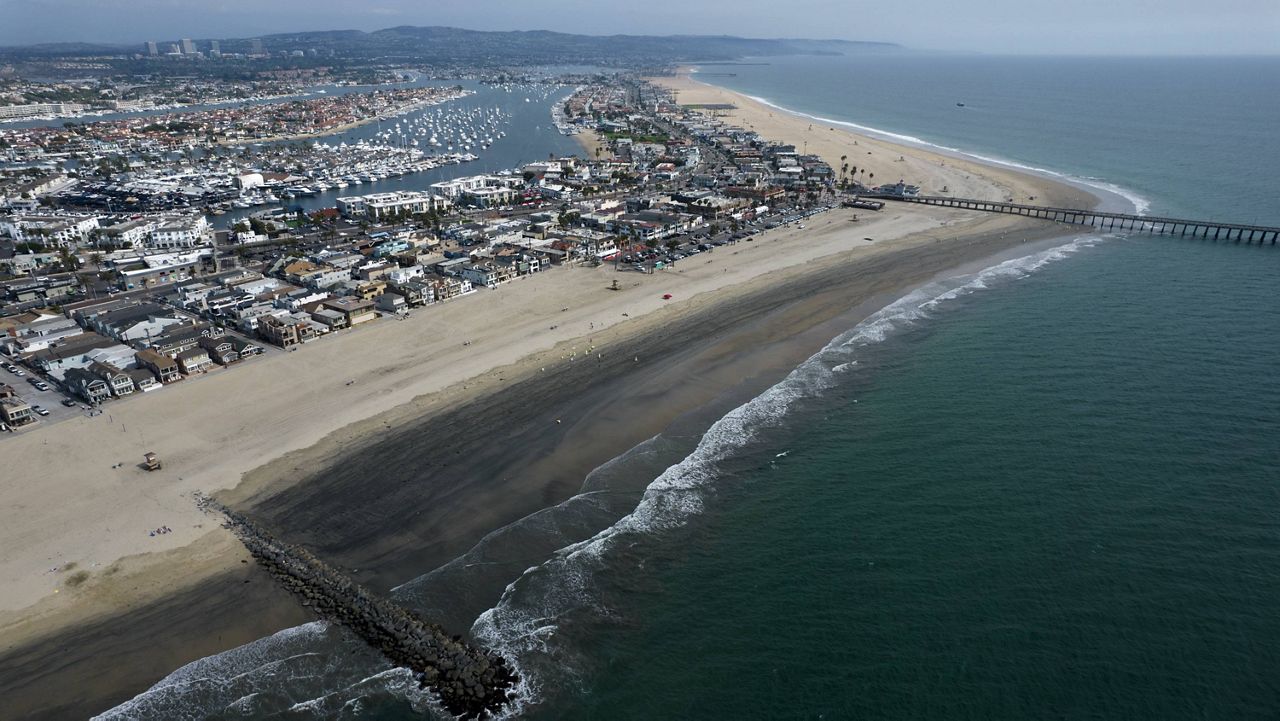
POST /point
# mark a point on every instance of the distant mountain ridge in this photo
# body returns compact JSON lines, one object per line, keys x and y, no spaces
{"x":458,"y":46}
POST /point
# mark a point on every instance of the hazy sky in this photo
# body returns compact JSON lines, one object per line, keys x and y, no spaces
{"x":1018,"y":26}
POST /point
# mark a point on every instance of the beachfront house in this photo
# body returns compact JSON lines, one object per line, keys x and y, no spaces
{"x":244,"y":348}
{"x":164,"y":367}
{"x":286,"y":331}
{"x":143,"y":379}
{"x":392,"y":303}
{"x":119,"y":382}
{"x":221,"y":350}
{"x":447,"y":288}
{"x":15,"y":412}
{"x":415,"y":291}
{"x":176,"y":339}
{"x":194,"y":360}
{"x":356,"y":310}
{"x":86,"y":385}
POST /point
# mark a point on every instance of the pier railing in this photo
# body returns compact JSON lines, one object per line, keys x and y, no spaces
{"x":1102,"y":220}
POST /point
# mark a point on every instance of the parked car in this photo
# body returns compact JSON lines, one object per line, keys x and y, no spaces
{"x":69,"y":402}
{"x":40,"y":410}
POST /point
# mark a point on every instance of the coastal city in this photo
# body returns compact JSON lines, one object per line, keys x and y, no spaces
{"x":542,"y":360}
{"x":120,"y":280}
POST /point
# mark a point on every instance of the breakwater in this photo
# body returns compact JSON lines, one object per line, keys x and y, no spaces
{"x":470,"y":682}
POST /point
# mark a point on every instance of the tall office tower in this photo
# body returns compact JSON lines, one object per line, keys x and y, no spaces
{"x":188,"y":47}
{"x":152,"y":50}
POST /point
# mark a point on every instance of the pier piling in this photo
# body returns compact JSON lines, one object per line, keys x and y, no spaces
{"x":1099,"y":219}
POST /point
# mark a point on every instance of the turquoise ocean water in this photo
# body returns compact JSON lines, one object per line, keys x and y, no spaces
{"x":1047,"y":489}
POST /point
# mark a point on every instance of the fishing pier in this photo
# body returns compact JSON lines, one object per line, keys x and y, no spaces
{"x":1104,"y":221}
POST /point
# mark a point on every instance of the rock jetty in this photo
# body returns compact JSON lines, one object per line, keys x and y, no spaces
{"x":471,"y":683}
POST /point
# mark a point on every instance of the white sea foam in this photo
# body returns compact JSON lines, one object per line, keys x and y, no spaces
{"x":238,"y":679}
{"x":524,"y":623}
{"x":1140,"y":204}
{"x":296,"y":669}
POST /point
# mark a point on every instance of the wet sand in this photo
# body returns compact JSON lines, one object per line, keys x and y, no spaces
{"x":390,"y":489}
{"x":413,"y":488}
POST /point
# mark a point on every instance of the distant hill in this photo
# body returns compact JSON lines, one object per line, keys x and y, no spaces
{"x":545,"y":46}
{"x":456,"y":46}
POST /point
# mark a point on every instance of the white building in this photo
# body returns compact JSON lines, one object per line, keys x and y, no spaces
{"x":404,"y":275}
{"x":55,"y":230}
{"x":38,"y":110}
{"x":248,"y":181}
{"x":483,"y":189}
{"x":382,"y":205}
{"x":129,"y":233}
{"x":180,"y":232}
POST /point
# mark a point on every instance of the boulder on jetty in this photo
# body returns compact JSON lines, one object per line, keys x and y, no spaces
{"x":470,"y":682}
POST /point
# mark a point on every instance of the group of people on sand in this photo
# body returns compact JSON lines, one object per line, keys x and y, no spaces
{"x":161,"y":531}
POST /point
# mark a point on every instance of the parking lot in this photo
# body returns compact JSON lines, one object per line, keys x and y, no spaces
{"x":50,"y":400}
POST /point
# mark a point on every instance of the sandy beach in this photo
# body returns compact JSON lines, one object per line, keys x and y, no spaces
{"x":77,"y":561}
{"x":877,"y":161}
{"x":592,"y":144}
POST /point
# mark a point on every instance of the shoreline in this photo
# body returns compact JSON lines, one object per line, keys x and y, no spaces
{"x":1135,"y":203}
{"x":388,"y":530}
{"x":337,"y":422}
{"x":879,"y":159}
{"x":344,"y":127}
{"x":591,"y":142}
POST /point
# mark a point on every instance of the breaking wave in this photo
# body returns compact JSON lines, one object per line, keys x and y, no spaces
{"x":529,"y":623}
{"x":321,"y":671}
{"x":1141,"y":205}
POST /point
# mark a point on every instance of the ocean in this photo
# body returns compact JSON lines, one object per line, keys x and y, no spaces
{"x":1044,"y":489}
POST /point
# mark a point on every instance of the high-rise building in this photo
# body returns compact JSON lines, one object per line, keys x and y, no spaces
{"x":152,"y":50}
{"x":215,"y":47}
{"x":256,"y":44}
{"x":188,"y":47}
